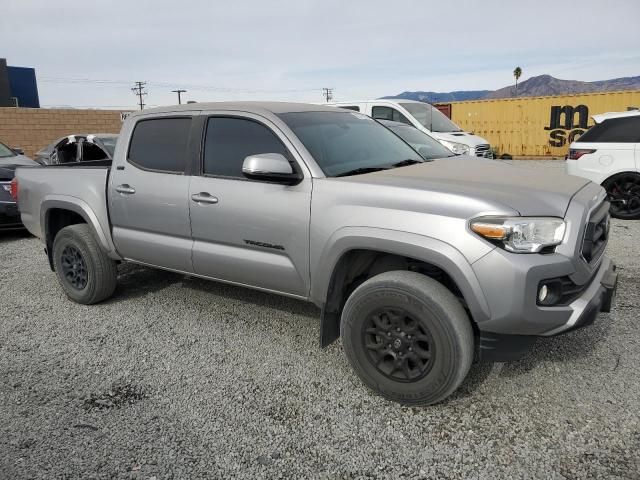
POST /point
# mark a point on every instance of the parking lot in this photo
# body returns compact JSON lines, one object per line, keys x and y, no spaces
{"x":176,"y":377}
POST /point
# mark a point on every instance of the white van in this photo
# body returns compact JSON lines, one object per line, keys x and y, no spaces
{"x":426,"y":118}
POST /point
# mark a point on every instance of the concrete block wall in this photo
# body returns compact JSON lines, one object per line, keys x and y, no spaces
{"x":34,"y":128}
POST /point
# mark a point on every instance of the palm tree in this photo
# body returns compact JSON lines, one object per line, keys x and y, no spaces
{"x":517,"y":73}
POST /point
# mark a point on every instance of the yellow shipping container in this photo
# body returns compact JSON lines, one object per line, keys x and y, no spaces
{"x":538,"y":126}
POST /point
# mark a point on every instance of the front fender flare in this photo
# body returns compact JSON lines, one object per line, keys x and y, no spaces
{"x":419,"y":247}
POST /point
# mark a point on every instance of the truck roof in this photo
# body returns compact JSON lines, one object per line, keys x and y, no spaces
{"x":601,"y":117}
{"x":393,"y":100}
{"x":246,"y":106}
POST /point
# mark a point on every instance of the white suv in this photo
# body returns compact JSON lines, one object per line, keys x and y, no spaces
{"x":609,"y":154}
{"x":426,"y":118}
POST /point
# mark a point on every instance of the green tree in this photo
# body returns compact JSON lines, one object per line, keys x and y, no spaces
{"x":517,"y":73}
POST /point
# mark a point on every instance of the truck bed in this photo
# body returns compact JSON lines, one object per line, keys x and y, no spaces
{"x":81,"y":185}
{"x":93,"y":163}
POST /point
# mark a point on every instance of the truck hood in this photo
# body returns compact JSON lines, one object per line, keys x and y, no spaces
{"x":460,"y":137}
{"x":530,"y":192}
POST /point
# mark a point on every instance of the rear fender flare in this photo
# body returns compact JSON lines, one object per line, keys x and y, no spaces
{"x":80,"y":207}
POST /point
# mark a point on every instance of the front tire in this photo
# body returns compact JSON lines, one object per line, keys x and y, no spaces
{"x":407,"y":337}
{"x":87,"y":275}
{"x":623,"y":191}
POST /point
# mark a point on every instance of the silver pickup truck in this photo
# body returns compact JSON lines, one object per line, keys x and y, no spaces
{"x":419,"y":266}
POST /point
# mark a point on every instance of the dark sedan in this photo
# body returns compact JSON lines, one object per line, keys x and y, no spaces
{"x":10,"y":158}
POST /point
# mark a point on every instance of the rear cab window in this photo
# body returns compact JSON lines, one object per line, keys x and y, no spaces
{"x":160,"y":144}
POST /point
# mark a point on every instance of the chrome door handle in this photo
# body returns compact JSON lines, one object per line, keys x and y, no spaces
{"x":204,"y":197}
{"x":124,"y":188}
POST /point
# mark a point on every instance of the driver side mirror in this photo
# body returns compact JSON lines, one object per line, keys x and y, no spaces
{"x":270,"y":167}
{"x":18,"y":151}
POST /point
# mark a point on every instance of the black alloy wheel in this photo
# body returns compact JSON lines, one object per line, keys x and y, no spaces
{"x":74,"y":268}
{"x":623,"y":192}
{"x":407,"y":337}
{"x":85,"y":272}
{"x":398,"y":345}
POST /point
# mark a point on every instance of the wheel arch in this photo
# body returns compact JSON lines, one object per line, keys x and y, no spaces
{"x":57,"y":213}
{"x":364,"y":251}
{"x":610,"y":175}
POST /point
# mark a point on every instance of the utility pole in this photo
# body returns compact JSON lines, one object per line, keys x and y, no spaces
{"x":179,"y":91}
{"x":327,"y":93}
{"x":138,"y":90}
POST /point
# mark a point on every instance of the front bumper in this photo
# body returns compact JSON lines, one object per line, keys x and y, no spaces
{"x":598,"y":297}
{"x":508,"y":337}
{"x":483,"y":151}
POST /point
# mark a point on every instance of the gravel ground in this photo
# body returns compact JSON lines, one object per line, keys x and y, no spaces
{"x":176,"y":377}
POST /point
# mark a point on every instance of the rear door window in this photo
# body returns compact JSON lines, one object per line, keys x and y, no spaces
{"x":229,"y":140}
{"x":388,"y":113}
{"x":160,"y":144}
{"x":621,"y":130}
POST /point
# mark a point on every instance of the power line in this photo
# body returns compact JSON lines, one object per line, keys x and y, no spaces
{"x":164,"y":84}
{"x":327,"y":93}
{"x":179,"y":91}
{"x":139,"y":91}
{"x":60,"y":105}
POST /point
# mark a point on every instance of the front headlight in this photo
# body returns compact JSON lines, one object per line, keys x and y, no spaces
{"x":457,"y":148}
{"x":521,"y":234}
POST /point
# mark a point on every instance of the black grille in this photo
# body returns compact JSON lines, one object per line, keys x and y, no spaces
{"x":596,"y":233}
{"x":482,"y":150}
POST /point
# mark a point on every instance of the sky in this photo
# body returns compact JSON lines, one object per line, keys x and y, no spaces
{"x":89,"y":54}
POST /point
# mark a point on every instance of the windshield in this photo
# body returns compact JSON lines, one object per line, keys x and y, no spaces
{"x":431,"y":117}
{"x":109,"y":144}
{"x":429,"y":148}
{"x":6,"y":151}
{"x":342,"y":142}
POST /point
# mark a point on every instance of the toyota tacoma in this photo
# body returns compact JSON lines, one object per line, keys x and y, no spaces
{"x":419,"y":266}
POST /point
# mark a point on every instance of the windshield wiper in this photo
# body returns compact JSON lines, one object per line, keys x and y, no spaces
{"x":360,"y":171}
{"x":404,"y":163}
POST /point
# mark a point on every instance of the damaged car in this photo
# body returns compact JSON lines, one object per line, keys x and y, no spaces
{"x":78,"y":148}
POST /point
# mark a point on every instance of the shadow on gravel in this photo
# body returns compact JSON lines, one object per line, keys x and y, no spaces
{"x":138,"y":281}
{"x":477,"y":375}
{"x":577,"y":344}
{"x":256,"y":297}
{"x":14,"y":235}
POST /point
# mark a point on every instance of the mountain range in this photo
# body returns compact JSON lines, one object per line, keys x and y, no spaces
{"x":539,"y":86}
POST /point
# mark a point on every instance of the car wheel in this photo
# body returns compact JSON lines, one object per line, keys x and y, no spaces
{"x":623,"y":191}
{"x":84,"y":271}
{"x":407,"y":337}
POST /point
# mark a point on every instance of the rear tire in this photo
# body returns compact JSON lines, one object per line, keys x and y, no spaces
{"x":623,"y":191}
{"x":87,"y":275}
{"x":407,"y":337}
